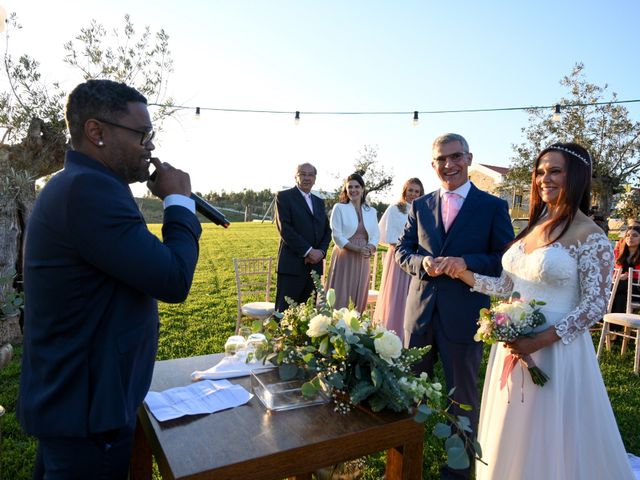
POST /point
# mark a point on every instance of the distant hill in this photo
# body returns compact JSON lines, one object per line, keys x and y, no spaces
{"x":151,"y":209}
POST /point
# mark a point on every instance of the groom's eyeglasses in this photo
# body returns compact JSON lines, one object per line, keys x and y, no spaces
{"x":146,"y":135}
{"x":453,"y":157}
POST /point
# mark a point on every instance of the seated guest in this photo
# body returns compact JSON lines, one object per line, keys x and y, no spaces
{"x":632,"y":222}
{"x":628,"y":257}
{"x":394,"y":283}
{"x":354,"y":229}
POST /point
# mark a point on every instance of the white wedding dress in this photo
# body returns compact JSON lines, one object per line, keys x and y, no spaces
{"x":565,"y":429}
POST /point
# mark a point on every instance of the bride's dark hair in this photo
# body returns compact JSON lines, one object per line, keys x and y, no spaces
{"x":575,"y":195}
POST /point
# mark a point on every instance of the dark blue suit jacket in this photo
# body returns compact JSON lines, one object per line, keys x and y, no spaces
{"x":479,"y":234}
{"x":92,"y":273}
{"x":300,"y":230}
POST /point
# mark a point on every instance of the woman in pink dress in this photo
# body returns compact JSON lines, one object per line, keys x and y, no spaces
{"x":394,"y":283}
{"x":354,"y":229}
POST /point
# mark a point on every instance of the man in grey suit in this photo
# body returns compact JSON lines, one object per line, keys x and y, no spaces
{"x":449,"y":230}
{"x":304,"y":238}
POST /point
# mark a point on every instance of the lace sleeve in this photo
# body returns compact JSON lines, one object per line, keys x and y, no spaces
{"x":501,"y":286}
{"x":595,"y":265}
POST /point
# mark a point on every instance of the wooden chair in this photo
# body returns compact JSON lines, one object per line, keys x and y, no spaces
{"x":253,"y":284}
{"x":372,"y":298}
{"x":629,"y":320}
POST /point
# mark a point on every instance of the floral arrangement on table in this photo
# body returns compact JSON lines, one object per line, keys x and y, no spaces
{"x":507,"y":321}
{"x":359,"y":363}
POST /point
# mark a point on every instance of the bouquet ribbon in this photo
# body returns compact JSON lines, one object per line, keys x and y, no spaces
{"x":510,"y":362}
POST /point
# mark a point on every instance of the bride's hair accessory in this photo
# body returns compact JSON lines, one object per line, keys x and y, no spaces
{"x":586,"y":161}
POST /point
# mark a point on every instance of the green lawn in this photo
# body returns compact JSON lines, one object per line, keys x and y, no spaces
{"x":202,"y":324}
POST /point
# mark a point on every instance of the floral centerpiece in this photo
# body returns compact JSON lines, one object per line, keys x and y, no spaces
{"x":506,"y":322}
{"x":359,"y":363}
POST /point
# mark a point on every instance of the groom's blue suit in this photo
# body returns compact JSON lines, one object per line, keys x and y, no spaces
{"x":442,"y":311}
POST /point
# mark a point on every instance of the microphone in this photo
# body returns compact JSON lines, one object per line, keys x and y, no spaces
{"x":207,"y":210}
{"x":204,"y":208}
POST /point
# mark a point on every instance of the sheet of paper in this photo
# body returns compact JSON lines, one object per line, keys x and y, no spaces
{"x":203,"y":397}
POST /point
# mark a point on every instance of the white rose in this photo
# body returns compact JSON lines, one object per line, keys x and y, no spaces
{"x":318,"y":326}
{"x":388,"y":346}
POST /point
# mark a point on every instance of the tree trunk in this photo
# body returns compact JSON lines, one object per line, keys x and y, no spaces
{"x":41,"y":153}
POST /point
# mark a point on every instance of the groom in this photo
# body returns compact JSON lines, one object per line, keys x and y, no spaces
{"x":455,"y":228}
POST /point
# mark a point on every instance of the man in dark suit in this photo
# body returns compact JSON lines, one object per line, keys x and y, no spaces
{"x":449,"y":230}
{"x":92,"y":275}
{"x":304,"y":238}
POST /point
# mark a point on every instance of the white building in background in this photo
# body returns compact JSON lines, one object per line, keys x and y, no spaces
{"x":490,"y":177}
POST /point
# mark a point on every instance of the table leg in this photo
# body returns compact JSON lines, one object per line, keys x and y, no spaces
{"x":141,"y":461}
{"x":405,"y":462}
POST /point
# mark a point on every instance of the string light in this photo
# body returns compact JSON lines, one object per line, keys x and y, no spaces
{"x":556,"y":117}
{"x":415,"y":118}
{"x":296,"y":120}
{"x":197,"y":112}
{"x":416,"y":113}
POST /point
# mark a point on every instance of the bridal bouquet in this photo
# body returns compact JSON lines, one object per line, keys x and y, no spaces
{"x":506,"y":322}
{"x":359,"y":363}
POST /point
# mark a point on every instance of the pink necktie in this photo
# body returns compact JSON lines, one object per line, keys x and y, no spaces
{"x":450,"y":207}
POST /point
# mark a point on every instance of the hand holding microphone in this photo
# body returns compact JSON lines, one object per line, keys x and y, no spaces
{"x":167,"y":180}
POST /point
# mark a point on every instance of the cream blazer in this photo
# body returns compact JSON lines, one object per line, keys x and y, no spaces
{"x":344,"y":222}
{"x":392,"y":224}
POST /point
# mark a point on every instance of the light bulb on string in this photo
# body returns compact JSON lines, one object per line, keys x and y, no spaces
{"x":197,"y":113}
{"x":556,"y":117}
{"x":296,"y":120}
{"x":415,"y":118}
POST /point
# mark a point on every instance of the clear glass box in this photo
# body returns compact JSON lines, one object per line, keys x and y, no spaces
{"x":277,"y":395}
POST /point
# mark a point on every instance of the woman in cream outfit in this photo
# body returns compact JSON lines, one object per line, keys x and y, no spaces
{"x":354,"y":229}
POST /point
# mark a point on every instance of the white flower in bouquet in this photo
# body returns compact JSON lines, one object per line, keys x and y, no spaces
{"x":388,"y":346}
{"x":319,"y":326}
{"x":516,"y":311}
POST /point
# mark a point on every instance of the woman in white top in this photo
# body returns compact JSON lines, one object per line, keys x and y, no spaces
{"x":394,"y":283}
{"x":354,"y":229}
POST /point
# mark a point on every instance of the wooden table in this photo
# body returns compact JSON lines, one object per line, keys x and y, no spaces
{"x":249,"y":442}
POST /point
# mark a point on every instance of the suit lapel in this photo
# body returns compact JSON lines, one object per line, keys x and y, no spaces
{"x":318,"y":207}
{"x":304,"y":201}
{"x":436,"y":240}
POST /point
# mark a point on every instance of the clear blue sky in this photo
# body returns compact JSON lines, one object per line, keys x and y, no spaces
{"x":350,"y":56}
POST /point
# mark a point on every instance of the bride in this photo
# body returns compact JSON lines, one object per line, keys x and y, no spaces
{"x":566,"y":428}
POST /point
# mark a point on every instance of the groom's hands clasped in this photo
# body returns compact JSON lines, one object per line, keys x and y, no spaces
{"x":451,"y":266}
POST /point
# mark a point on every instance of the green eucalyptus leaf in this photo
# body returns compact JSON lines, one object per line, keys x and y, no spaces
{"x":464,"y":423}
{"x":361,"y":391}
{"x":465,"y":407}
{"x":477,"y":448}
{"x":287,"y":371}
{"x":457,"y":458}
{"x":454,"y":441}
{"x":324,"y":346}
{"x":422,"y":413}
{"x":442,"y":430}
{"x":309,"y":389}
